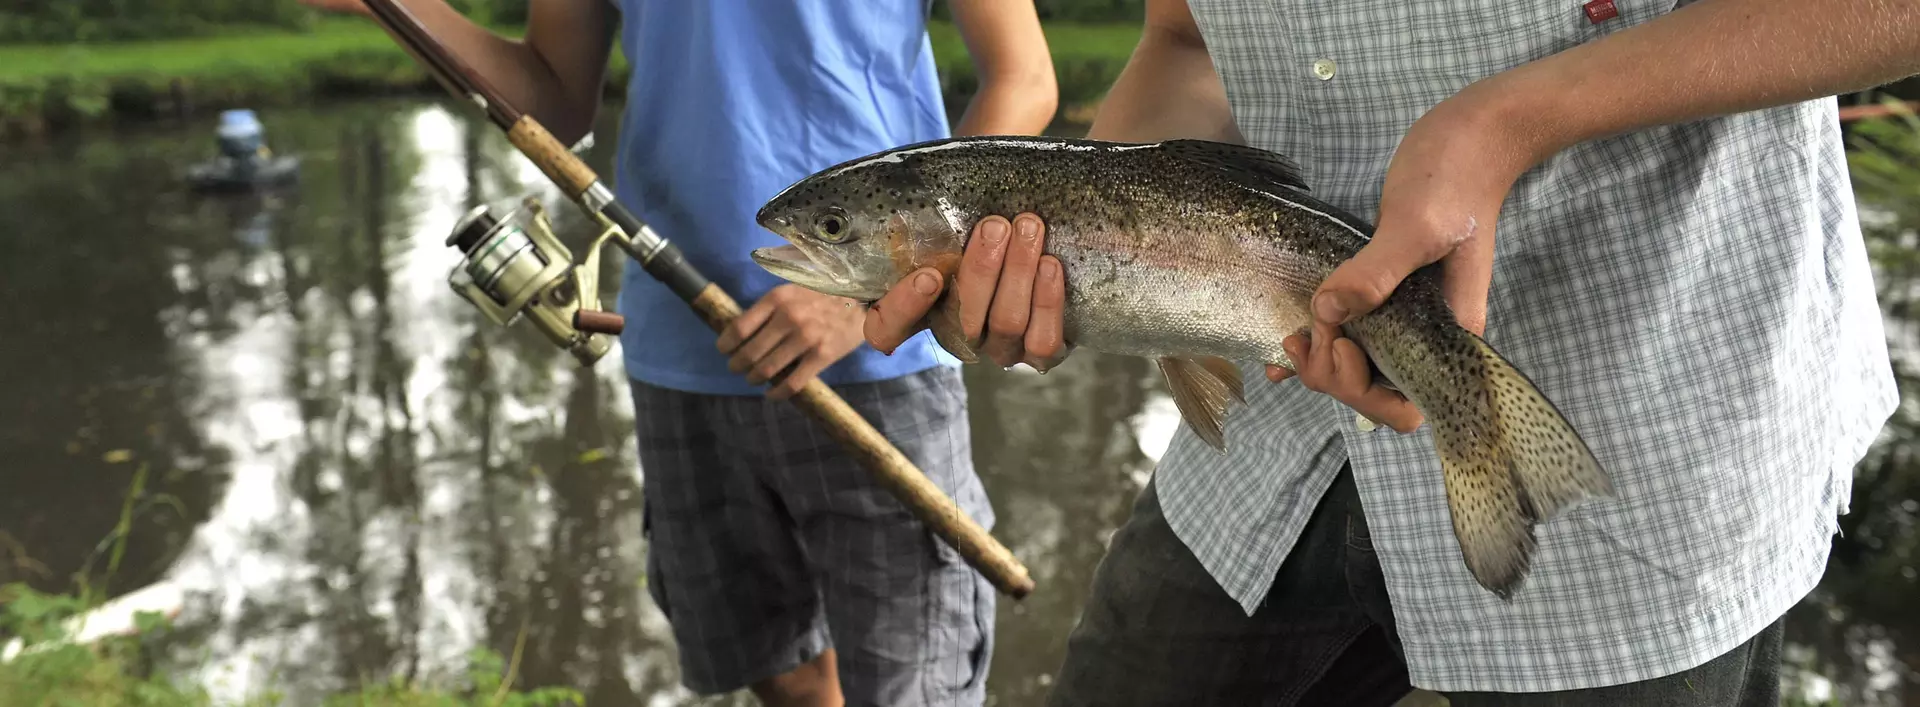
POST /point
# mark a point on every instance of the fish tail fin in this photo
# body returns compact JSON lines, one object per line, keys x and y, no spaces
{"x":1202,"y":387}
{"x":1552,"y":462}
{"x":1511,"y":460}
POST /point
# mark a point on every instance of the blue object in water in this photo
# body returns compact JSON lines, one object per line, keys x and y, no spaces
{"x":244,"y":161}
{"x":241,"y":135}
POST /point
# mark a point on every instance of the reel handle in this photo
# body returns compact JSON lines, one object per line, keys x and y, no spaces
{"x":599,"y":322}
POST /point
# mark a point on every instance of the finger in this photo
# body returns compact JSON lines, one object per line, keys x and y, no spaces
{"x":1389,"y":408}
{"x":1316,"y":368}
{"x":757,"y":347}
{"x":1296,"y":347}
{"x":897,"y":315}
{"x":1361,"y":283}
{"x":1279,"y":373}
{"x":1046,"y":340}
{"x":1013,"y":301}
{"x":744,"y":326}
{"x":980,"y":274}
{"x":1351,"y":370}
{"x":1466,"y":274}
{"x":1379,"y":404}
{"x":810,"y":366}
{"x":766,"y":367}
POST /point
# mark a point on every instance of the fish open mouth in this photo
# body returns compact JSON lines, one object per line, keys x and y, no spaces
{"x":787,"y":261}
{"x":792,"y":264}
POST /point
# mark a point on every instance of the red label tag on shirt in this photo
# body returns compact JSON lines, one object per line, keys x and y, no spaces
{"x":1599,"y":11}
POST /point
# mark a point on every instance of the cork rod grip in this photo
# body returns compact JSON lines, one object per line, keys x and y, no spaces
{"x":550,"y":156}
{"x":892,"y":468}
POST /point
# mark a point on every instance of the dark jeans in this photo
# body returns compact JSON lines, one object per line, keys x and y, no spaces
{"x":1157,"y":630}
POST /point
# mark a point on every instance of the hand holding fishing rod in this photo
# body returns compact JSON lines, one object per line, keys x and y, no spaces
{"x":515,"y":266}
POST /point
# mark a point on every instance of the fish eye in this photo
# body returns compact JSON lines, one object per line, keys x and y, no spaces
{"x":831,"y":226}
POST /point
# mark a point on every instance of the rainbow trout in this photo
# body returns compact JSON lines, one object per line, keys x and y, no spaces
{"x":1201,"y":256}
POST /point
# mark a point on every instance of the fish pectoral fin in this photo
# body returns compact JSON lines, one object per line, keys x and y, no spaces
{"x":944,"y":321}
{"x":1202,"y":387}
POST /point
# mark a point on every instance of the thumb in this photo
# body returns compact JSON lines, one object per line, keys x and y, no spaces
{"x":896,"y":317}
{"x":1359,"y":285}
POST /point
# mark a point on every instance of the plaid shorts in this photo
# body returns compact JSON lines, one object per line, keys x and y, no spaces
{"x":768,"y":543}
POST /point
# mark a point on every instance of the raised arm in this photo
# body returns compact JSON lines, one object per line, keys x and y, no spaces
{"x":554,"y":73}
{"x":1452,"y":172}
{"x":1017,"y":93}
{"x":1011,"y":297}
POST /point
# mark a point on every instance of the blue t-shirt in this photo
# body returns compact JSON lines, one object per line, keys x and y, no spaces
{"x":730,"y":102}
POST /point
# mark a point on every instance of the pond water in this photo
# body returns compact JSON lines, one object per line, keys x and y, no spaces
{"x":349,"y":473}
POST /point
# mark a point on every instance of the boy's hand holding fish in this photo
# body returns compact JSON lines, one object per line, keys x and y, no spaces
{"x":1011,"y":297}
{"x":1439,"y":203}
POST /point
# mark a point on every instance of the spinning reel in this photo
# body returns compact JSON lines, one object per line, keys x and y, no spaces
{"x":515,"y":266}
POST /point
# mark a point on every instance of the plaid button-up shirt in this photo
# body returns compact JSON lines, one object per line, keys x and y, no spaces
{"x":1695,"y":298}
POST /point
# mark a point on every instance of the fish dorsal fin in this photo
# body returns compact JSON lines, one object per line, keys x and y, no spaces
{"x":1202,"y":387}
{"x":1239,"y":160}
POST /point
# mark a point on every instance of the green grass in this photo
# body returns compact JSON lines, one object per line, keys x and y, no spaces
{"x":1067,"y":42}
{"x":202,"y":58}
{"x":44,"y":86}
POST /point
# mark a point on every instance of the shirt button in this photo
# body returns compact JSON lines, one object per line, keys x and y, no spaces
{"x":1323,"y":68}
{"x":1362,"y":424}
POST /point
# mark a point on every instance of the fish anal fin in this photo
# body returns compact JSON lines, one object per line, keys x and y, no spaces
{"x":1202,"y":388}
{"x":1226,"y":371}
{"x":1242,"y":161}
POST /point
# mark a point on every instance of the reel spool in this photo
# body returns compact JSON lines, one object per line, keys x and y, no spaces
{"x":514,"y":266}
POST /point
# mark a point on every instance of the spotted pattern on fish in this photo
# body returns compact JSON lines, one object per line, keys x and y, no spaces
{"x":1194,"y":254}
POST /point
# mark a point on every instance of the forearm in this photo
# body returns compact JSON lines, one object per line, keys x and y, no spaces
{"x":1021,"y":105}
{"x":1711,"y":58}
{"x":1168,"y":89}
{"x":518,"y":69}
{"x":1017,"y":93}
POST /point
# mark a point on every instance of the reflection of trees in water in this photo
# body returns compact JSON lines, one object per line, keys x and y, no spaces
{"x":96,"y":292}
{"x":543,"y":522}
{"x":1058,"y":456}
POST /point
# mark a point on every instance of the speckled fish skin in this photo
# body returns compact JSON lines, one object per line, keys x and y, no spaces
{"x":1197,"y":254}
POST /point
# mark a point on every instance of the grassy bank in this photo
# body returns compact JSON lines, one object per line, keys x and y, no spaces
{"x":123,"y":669}
{"x":51,"y":87}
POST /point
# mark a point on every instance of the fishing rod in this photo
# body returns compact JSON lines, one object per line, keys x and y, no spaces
{"x":514,"y":266}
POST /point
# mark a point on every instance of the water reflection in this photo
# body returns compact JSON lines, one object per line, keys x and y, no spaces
{"x":364,"y":478}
